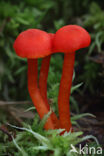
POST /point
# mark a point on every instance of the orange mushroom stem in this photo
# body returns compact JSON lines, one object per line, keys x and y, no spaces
{"x":64,"y":91}
{"x":44,"y":74}
{"x":43,"y":82}
{"x":35,"y":93}
{"x":43,"y":78}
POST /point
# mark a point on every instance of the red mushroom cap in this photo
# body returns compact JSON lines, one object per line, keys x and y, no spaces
{"x":52,"y":38}
{"x":51,"y":35}
{"x":33,"y":43}
{"x":71,"y":38}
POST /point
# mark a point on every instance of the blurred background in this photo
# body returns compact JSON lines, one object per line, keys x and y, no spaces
{"x":17,"y":16}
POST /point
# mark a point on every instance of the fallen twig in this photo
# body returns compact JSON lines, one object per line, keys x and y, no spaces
{"x":4,"y":129}
{"x":5,"y":103}
{"x":20,"y":112}
{"x":16,"y":118}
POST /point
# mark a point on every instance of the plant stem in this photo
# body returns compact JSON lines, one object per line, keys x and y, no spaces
{"x":64,"y":91}
{"x":43,"y":85}
{"x":35,"y":93}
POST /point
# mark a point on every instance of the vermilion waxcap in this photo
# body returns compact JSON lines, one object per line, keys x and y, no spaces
{"x":33,"y":43}
{"x":71,"y":38}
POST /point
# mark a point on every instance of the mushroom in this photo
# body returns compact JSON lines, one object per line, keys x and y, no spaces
{"x":43,"y":82}
{"x":33,"y":44}
{"x":68,"y":39}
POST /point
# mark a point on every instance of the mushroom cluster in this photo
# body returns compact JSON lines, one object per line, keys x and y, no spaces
{"x":33,"y":44}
